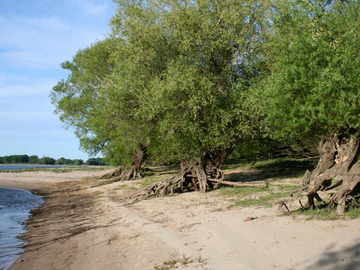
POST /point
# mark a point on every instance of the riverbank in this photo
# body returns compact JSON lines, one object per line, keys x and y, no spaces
{"x":15,"y":207}
{"x":41,"y":181}
{"x":85,"y":226}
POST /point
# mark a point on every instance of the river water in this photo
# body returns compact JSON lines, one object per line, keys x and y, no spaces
{"x":15,"y":207}
{"x":18,"y":167}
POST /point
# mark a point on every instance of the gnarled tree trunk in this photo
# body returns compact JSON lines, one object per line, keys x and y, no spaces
{"x":338,"y":157}
{"x":130,"y":172}
{"x":193,"y":176}
{"x":203,"y":175}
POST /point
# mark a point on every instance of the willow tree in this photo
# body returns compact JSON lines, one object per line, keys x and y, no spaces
{"x":313,"y":90}
{"x":191,"y":64}
{"x":171,"y":78}
{"x":76,"y":99}
{"x":102,"y":121}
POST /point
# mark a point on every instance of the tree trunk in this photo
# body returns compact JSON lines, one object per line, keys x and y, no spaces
{"x":193,"y":176}
{"x":338,"y":157}
{"x":129,"y":172}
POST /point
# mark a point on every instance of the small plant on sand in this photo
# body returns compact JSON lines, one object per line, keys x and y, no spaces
{"x":185,"y":260}
{"x":146,"y":181}
{"x":167,"y":265}
{"x":326,"y":212}
{"x":241,"y":191}
{"x":257,"y":196}
{"x":175,"y":263}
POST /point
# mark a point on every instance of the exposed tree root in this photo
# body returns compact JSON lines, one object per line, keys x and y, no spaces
{"x":242,"y":184}
{"x":193,"y":176}
{"x":130,"y":172}
{"x":122,"y":174}
{"x":112,"y":174}
{"x":338,"y":157}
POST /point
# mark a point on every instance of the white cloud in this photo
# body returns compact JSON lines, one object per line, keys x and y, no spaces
{"x":35,"y":37}
{"x":8,"y":78}
{"x":52,"y":23}
{"x":92,"y":8}
{"x":46,"y":41}
{"x":53,"y":134}
{"x":25,"y":87}
{"x":33,"y":133}
{"x":24,"y":115}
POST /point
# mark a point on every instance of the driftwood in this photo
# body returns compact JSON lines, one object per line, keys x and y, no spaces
{"x":237,"y":184}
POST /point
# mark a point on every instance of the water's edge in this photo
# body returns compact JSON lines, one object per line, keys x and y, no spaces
{"x":15,"y":207}
{"x":9,"y":167}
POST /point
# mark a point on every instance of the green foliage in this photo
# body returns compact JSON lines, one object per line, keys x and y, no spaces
{"x":7,"y":159}
{"x":95,"y":161}
{"x":172,"y":78}
{"x":326,"y":212}
{"x":194,"y":64}
{"x":257,"y":196}
{"x":34,"y":159}
{"x":99,"y":104}
{"x":241,"y":191}
{"x":281,"y":163}
{"x":202,"y":94}
{"x":260,"y":147}
{"x":268,"y":168}
{"x":15,"y":159}
{"x":78,"y":162}
{"x":149,"y":180}
{"x":56,"y":170}
{"x":47,"y":161}
{"x":312,"y":89}
{"x":77,"y":98}
{"x":64,"y":161}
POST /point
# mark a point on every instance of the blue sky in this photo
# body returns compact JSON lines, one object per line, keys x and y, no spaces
{"x":35,"y":37}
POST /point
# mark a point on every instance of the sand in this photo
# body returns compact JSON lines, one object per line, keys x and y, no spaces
{"x":83,"y":226}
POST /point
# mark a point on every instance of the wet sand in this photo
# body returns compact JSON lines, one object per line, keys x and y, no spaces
{"x":83,"y":226}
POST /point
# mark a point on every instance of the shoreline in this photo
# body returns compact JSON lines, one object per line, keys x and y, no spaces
{"x":15,"y":210}
{"x":62,"y":223}
{"x":38,"y":183}
{"x":84,"y":226}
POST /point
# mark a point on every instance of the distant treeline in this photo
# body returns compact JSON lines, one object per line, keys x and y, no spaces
{"x":16,"y":159}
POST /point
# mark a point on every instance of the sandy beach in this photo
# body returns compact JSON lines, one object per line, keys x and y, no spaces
{"x":85,"y":226}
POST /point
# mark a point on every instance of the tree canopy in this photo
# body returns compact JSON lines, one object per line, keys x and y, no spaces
{"x":312,"y":90}
{"x":313,"y":55}
{"x":188,"y":81}
{"x":169,"y":81}
{"x":78,"y":99}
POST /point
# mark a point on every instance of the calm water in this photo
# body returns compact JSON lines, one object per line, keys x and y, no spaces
{"x":18,"y":167}
{"x":15,"y":206}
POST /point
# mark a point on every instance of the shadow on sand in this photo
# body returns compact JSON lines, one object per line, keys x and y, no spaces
{"x":268,"y":171}
{"x":346,"y":258}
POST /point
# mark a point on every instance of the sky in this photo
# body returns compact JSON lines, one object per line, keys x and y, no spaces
{"x":36,"y":36}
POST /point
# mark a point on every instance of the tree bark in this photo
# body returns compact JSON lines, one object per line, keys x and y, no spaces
{"x":193,"y":176}
{"x":129,"y":172}
{"x":338,"y":157}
